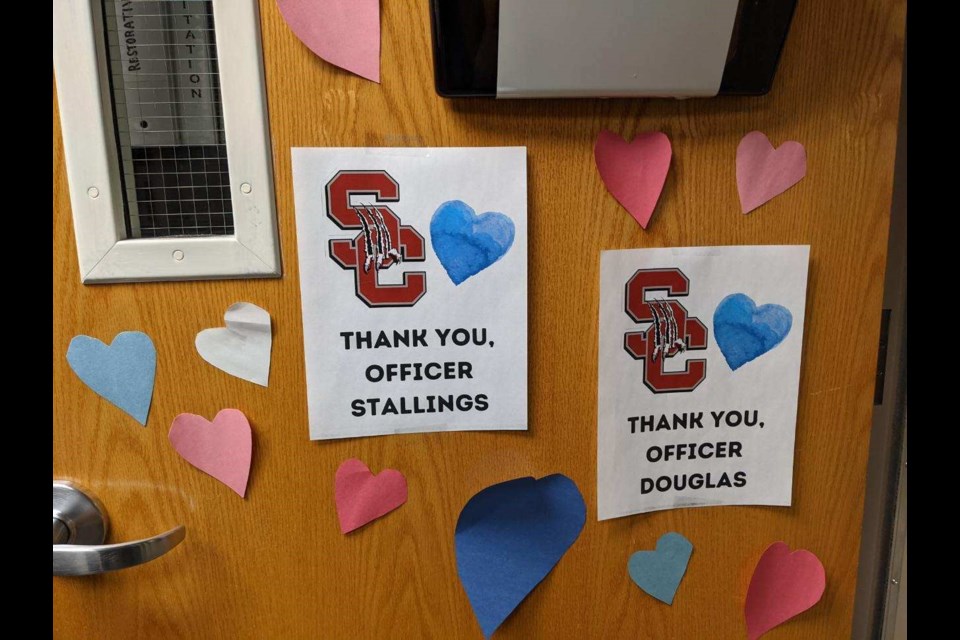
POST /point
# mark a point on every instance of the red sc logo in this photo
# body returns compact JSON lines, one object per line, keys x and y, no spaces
{"x":382,"y":241}
{"x":671,"y":332}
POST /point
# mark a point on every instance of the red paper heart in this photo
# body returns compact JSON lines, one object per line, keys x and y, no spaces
{"x":634,"y":172}
{"x":763,"y":172}
{"x":222,"y":448}
{"x":783,"y":585}
{"x":362,"y":497}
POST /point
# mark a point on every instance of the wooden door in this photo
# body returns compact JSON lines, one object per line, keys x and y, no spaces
{"x":275,"y":564}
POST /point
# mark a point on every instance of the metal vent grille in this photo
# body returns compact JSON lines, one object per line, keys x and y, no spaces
{"x":165,"y":87}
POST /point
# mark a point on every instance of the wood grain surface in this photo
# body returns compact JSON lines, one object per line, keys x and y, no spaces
{"x":275,"y":564}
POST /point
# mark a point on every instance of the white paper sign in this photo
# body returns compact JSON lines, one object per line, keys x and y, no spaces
{"x":698,"y":376}
{"x":413,"y":281}
{"x":581,"y":48}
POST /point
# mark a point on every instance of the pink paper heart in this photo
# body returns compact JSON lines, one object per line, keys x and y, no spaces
{"x":342,"y":32}
{"x":362,"y":497}
{"x":222,"y":448}
{"x":634,"y":172}
{"x":783,"y":585}
{"x":763,"y":172}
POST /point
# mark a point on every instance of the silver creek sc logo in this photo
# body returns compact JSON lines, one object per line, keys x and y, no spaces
{"x":671,"y":332}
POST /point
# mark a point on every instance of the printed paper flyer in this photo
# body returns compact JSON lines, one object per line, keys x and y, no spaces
{"x":699,"y":367}
{"x":413,"y":283}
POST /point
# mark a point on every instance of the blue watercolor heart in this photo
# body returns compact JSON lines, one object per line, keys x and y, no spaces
{"x":509,"y":537}
{"x":123,"y":372}
{"x":466,"y":243}
{"x":659,"y":572}
{"x":745,"y":331}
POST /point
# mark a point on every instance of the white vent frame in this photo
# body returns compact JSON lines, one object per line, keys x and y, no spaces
{"x":93,"y":172}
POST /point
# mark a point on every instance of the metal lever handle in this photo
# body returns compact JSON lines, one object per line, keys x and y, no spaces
{"x":87,"y":559}
{"x":79,"y":529}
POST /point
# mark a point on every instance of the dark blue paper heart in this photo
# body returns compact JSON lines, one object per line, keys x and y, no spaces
{"x":745,"y":331}
{"x":509,"y":537}
{"x":466,"y":243}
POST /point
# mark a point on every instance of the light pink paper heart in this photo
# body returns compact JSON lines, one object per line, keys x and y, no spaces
{"x":783,"y":585}
{"x":634,"y":172}
{"x":362,"y":497}
{"x":763,"y":172}
{"x":342,"y":32}
{"x":222,"y":448}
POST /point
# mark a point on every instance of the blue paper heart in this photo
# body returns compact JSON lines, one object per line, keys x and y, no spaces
{"x":466,"y":243}
{"x":745,"y":331}
{"x":122,"y":373}
{"x":659,"y":572}
{"x":509,"y":537}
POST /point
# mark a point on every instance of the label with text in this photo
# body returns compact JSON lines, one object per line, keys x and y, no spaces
{"x":413,"y":280}
{"x":699,"y":367}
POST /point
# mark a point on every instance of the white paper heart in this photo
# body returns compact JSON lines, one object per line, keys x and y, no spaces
{"x":242,"y":349}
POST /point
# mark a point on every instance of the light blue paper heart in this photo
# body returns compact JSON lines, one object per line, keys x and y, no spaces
{"x":122,"y":373}
{"x":745,"y":331}
{"x":466,"y":243}
{"x":659,"y":572}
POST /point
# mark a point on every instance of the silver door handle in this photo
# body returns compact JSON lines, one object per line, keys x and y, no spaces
{"x":79,"y":529}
